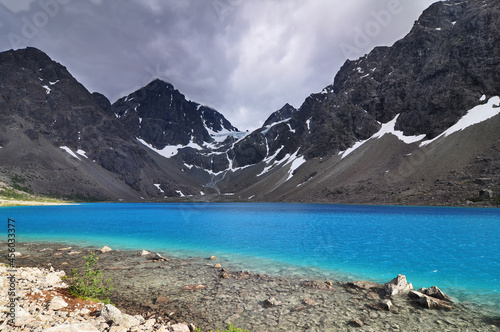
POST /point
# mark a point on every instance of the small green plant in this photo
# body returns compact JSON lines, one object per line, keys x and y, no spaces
{"x":91,"y":284}
{"x":230,"y":328}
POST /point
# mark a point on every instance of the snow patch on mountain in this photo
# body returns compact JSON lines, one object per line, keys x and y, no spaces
{"x":387,"y":128}
{"x":68,"y":150}
{"x":474,"y":116}
{"x":170,"y":150}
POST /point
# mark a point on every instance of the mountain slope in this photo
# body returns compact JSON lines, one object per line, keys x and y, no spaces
{"x":414,"y":123}
{"x":59,"y":139}
{"x":448,"y":64}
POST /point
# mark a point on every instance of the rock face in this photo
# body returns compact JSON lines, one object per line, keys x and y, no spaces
{"x":161,"y":116}
{"x":283,"y":113}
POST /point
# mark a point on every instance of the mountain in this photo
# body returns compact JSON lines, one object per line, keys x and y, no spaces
{"x":58,"y":139}
{"x":416,"y":89}
{"x":161,"y":116}
{"x":415,"y":123}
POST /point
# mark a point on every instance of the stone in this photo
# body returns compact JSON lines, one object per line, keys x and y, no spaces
{"x":159,"y":258}
{"x":193,"y":287}
{"x":271,"y":302}
{"x":84,"y":311}
{"x":57,"y":303}
{"x":128,"y":321}
{"x":179,"y":328}
{"x":310,"y":302}
{"x":365,"y":285}
{"x":356,"y":323}
{"x":486,"y":194}
{"x":162,"y":300}
{"x":398,"y":285}
{"x":80,"y":327}
{"x":144,"y":253}
{"x":17,"y":254}
{"x":116,"y":328}
{"x":435,"y":292}
{"x":429,"y":302}
{"x":149,"y":323}
{"x":386,"y":305}
{"x":217,"y":266}
{"x":212,"y":257}
{"x":315,"y":284}
{"x":105,"y":249}
{"x":111,"y":314}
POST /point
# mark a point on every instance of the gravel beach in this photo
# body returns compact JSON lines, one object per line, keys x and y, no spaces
{"x":202,"y":292}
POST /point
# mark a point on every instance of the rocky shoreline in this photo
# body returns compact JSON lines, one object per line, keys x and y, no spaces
{"x":155,"y":292}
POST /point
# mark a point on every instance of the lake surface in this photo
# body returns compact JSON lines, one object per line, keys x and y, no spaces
{"x":456,"y":249}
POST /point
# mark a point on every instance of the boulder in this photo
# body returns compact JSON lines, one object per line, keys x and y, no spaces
{"x":435,"y":292}
{"x":429,"y":302}
{"x":398,"y":285}
{"x":105,"y":249}
{"x":212,"y":257}
{"x":486,"y":194}
{"x":159,"y":258}
{"x":217,"y":266}
{"x":111,"y":314}
{"x":144,"y":253}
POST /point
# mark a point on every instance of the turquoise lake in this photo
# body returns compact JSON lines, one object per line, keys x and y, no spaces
{"x":456,"y":249}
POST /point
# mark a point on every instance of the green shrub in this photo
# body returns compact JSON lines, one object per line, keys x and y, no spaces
{"x":91,"y":284}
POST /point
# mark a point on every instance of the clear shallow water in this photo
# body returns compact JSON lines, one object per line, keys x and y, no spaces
{"x":457,"y":249}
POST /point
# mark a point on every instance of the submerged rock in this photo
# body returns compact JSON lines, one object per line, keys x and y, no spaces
{"x":365,"y":285}
{"x":315,"y":284}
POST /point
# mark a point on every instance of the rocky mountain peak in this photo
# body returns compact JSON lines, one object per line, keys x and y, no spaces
{"x":160,"y":115}
{"x":283,"y":113}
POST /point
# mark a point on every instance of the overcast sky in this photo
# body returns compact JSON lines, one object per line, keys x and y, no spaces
{"x":245,"y":58}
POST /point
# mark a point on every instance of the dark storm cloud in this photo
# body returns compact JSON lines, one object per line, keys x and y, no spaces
{"x":244,"y":58}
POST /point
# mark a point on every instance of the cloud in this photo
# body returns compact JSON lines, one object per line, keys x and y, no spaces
{"x":245,"y":58}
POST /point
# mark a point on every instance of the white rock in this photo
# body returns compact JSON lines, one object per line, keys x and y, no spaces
{"x":118,"y":329}
{"x":80,"y":327}
{"x":144,"y":253}
{"x":85,"y":311}
{"x":149,"y":323}
{"x":398,"y":285}
{"x":57,"y":303}
{"x":128,"y":321}
{"x":105,"y":249}
{"x":179,"y":328}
